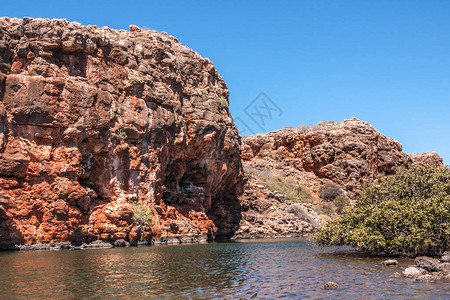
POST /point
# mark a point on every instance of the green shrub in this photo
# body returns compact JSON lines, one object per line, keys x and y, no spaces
{"x":406,"y":214}
{"x":330,"y":191}
{"x":142,"y":215}
{"x":341,"y":202}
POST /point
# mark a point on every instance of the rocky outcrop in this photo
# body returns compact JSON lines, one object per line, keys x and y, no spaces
{"x":429,"y":158}
{"x":290,"y":167}
{"x":351,"y":154}
{"x":270,"y":214}
{"x":92,"y":119}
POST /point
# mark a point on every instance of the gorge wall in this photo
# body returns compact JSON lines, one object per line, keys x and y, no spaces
{"x":92,"y":119}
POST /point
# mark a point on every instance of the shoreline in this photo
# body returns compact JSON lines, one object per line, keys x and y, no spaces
{"x":99,"y":244}
{"x":162,"y":241}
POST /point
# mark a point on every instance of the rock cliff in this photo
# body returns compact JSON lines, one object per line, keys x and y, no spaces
{"x":286,"y":170}
{"x":92,"y":119}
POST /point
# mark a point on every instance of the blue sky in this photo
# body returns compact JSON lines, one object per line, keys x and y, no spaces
{"x":385,"y":62}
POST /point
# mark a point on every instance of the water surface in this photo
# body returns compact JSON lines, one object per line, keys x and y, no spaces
{"x":287,"y":268}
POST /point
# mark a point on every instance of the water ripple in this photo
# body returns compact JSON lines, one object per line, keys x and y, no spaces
{"x":290,"y":268}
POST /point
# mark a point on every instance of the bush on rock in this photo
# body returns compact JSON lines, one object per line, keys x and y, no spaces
{"x":406,"y":214}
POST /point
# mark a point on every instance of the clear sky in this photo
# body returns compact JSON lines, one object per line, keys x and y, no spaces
{"x":385,"y":62}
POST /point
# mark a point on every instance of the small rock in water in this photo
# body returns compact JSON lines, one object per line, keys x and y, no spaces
{"x":396,"y":274}
{"x":331,"y":285}
{"x":446,"y":256}
{"x":411,"y":272}
{"x":390,"y":262}
{"x":445,"y":267}
{"x":426,"y":278}
{"x":121,"y":243}
{"x":427,"y":263}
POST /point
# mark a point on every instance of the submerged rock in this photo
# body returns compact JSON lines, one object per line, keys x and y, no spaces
{"x":427,"y":263}
{"x":426,"y":278}
{"x":331,"y":286}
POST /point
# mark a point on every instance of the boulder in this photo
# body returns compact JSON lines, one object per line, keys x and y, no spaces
{"x":331,"y":286}
{"x":411,"y":272}
{"x":121,"y":243}
{"x":427,"y":263}
{"x":390,"y":262}
{"x":445,"y":267}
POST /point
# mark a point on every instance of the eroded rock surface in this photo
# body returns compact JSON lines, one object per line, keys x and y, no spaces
{"x":295,"y":163}
{"x":352,"y":154}
{"x":94,"y":118}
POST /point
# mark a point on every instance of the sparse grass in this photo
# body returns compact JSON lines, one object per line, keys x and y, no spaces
{"x":300,"y":193}
{"x":317,"y":126}
{"x":225,"y":100}
{"x":121,"y":134}
{"x":287,"y":186}
{"x":305,"y":127}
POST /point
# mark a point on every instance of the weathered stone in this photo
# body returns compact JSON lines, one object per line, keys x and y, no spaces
{"x":84,"y":131}
{"x":351,"y":154}
{"x":121,"y":243}
{"x":2,"y":212}
{"x":446,"y":256}
{"x":445,"y":267}
{"x":390,"y":262}
{"x":331,"y":286}
{"x":427,"y":263}
{"x":426,"y":278}
{"x":428,"y":158}
{"x":98,"y":244}
{"x":411,"y":272}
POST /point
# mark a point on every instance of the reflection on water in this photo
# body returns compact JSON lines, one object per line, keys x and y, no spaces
{"x":269,"y":268}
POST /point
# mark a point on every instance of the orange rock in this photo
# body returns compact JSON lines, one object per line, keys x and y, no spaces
{"x":95,"y":121}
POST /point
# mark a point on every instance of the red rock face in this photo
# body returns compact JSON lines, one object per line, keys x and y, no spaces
{"x":91,"y":119}
{"x":351,"y":153}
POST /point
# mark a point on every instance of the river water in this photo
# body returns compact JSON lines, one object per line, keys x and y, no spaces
{"x":281,"y":268}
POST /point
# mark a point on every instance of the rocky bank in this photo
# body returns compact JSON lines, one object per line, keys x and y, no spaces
{"x":92,"y":119}
{"x":428,"y":269}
